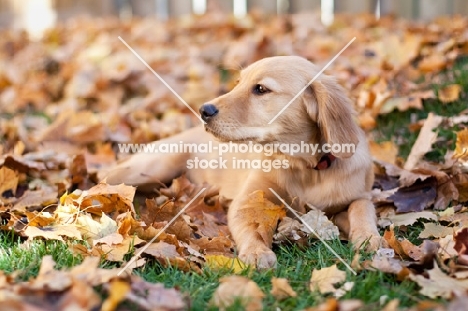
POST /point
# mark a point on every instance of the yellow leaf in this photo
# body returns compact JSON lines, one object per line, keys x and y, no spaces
{"x":461,"y":147}
{"x":39,"y":219}
{"x":262,"y":214}
{"x":216,"y":262}
{"x":385,"y":151}
{"x":8,"y":180}
{"x":449,"y":93}
{"x":118,"y":290}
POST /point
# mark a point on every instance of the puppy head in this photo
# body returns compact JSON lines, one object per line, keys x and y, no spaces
{"x":321,"y":113}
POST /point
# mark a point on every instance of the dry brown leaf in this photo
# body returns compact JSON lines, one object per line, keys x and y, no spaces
{"x":118,"y":290}
{"x":167,"y":255}
{"x":461,"y":245}
{"x":461,"y":147}
{"x":50,"y":279}
{"x":319,"y":222}
{"x":238,"y":288}
{"x":434,"y":62}
{"x":81,"y":296}
{"x":403,"y":247}
{"x":149,"y":296}
{"x":385,"y":151}
{"x":324,"y":279}
{"x":435,"y":230}
{"x":401,"y":103}
{"x":34,"y":198}
{"x":116,"y":252}
{"x":391,"y":239}
{"x":217,"y":245}
{"x":289,"y":230}
{"x":389,"y":265}
{"x":53,"y":232}
{"x":109,"y":199}
{"x":423,"y":143}
{"x":439,"y":284}
{"x":8,"y":180}
{"x":281,"y":289}
{"x":331,"y":304}
{"x":42,"y":219}
{"x":262,"y":214}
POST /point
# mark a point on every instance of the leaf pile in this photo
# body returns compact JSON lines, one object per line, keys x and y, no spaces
{"x":69,"y":98}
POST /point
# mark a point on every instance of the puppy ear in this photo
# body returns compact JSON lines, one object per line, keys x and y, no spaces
{"x":335,"y":116}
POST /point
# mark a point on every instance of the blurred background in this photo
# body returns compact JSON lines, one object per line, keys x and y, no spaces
{"x":36,"y":15}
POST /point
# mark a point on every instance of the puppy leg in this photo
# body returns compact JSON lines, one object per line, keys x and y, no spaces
{"x":253,"y":239}
{"x":359,"y":222}
{"x":149,"y":169}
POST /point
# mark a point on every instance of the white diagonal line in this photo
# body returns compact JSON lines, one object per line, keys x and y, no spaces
{"x":311,"y":81}
{"x":314,"y":232}
{"x":159,"y":233}
{"x":161,"y":79}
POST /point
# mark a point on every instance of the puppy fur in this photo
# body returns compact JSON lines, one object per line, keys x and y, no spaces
{"x":321,"y":114}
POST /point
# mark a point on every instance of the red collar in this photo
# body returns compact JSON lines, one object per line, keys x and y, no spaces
{"x":325,"y":162}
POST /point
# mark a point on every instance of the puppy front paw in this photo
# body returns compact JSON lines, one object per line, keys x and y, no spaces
{"x":261,"y":258}
{"x":371,"y":241}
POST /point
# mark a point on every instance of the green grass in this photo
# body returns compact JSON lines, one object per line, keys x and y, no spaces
{"x":395,"y":125}
{"x":294,"y":263}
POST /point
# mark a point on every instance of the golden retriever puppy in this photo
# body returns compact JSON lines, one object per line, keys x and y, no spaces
{"x":336,"y":181}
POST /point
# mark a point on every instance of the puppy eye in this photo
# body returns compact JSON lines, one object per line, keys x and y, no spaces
{"x":260,"y":89}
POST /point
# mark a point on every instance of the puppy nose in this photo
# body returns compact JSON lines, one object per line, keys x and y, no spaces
{"x":208,"y":111}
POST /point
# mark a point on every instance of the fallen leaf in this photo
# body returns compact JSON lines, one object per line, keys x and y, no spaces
{"x":53,"y":232}
{"x":435,"y":230}
{"x":319,"y":222}
{"x":385,"y":151}
{"x":8,"y":180}
{"x":217,"y":262}
{"x":461,"y":245}
{"x":424,"y":141}
{"x":289,"y":230}
{"x":417,"y":197}
{"x":281,"y":289}
{"x":116,"y":252}
{"x":262,"y":215}
{"x":389,"y":265}
{"x":408,"y":219}
{"x":449,"y":93}
{"x":324,"y":279}
{"x":433,"y":62}
{"x":118,"y":290}
{"x":439,"y":284}
{"x":238,"y":288}
{"x":154,"y":296}
{"x":461,"y":146}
